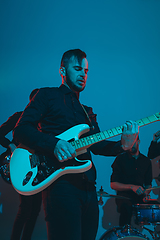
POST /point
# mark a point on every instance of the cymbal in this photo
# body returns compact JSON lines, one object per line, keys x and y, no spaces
{"x":105,"y":194}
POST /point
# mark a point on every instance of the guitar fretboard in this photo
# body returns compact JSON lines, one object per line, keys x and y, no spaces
{"x":95,"y":138}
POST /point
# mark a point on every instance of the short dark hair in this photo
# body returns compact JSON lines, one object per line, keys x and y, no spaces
{"x":77,"y":53}
{"x":34,"y":91}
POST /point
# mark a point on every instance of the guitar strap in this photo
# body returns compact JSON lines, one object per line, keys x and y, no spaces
{"x":89,"y":120}
{"x":84,"y":110}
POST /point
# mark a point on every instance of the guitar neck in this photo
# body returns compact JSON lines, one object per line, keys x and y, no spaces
{"x":86,"y":142}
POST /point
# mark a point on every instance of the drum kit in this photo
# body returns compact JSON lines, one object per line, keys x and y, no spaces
{"x":144,"y":214}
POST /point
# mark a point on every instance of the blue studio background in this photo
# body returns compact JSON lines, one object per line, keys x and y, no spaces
{"x":122,"y":42}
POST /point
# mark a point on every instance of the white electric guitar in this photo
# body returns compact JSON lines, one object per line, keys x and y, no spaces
{"x":31,"y":173}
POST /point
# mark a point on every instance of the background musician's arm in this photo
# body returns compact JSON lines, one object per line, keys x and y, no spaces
{"x":154,"y":148}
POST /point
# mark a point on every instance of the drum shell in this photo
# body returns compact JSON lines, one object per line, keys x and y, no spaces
{"x":146,"y":214}
{"x":123,"y":233}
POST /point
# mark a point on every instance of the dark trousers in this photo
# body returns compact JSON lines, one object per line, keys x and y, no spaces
{"x":125,"y":214}
{"x":71,"y":211}
{"x":26,"y":217}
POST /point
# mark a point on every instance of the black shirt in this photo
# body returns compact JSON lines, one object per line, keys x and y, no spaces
{"x":7,"y":127}
{"x":53,"y":111}
{"x":154,"y":150}
{"x":128,"y":170}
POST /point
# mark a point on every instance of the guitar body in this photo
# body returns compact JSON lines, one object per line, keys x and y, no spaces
{"x":32,"y":173}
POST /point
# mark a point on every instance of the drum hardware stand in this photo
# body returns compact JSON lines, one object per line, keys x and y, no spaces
{"x":115,"y":231}
{"x":127,"y":228}
{"x":154,"y":233}
{"x":101,"y":193}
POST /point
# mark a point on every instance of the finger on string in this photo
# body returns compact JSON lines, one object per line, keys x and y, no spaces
{"x":124,"y":129}
{"x":129,"y":126}
{"x":136,"y":127}
{"x":130,"y":121}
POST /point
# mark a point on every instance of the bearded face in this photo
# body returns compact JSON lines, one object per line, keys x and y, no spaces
{"x":76,"y":74}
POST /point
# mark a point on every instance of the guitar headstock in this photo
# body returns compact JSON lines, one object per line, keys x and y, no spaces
{"x":157,"y":116}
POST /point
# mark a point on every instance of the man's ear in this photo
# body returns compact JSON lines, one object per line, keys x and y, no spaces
{"x":62,"y":71}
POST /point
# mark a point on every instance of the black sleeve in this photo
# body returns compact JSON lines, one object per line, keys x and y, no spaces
{"x":116,"y":170}
{"x":148,"y":174}
{"x":154,"y":150}
{"x":105,"y":147}
{"x":26,"y":130}
{"x":7,"y":127}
